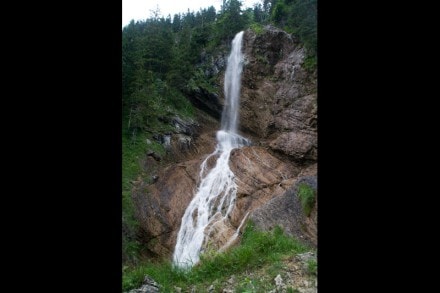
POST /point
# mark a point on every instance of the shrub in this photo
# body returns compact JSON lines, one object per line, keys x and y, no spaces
{"x":307,"y":198}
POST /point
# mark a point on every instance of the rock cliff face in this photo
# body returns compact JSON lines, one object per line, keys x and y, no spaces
{"x":278,"y":113}
{"x":278,"y":102}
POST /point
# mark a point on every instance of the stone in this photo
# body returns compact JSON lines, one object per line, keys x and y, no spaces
{"x":286,"y":211}
{"x":304,"y":257}
{"x":184,"y":126}
{"x":148,"y":286}
{"x":154,"y":155}
{"x":206,"y":100}
{"x":278,"y":281}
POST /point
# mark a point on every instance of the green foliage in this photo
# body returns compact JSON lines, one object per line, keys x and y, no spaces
{"x":258,"y":14}
{"x":298,"y":17}
{"x":246,"y":286}
{"x":255,"y":284}
{"x":134,"y":148}
{"x":256,"y":249}
{"x":198,"y":80}
{"x":312,"y":266}
{"x":279,"y":12}
{"x":163,"y":273}
{"x":310,"y":63}
{"x":131,"y":248}
{"x":307,"y":198}
{"x":257,"y":28}
{"x":231,"y":20}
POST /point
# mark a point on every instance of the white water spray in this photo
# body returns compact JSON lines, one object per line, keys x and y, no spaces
{"x":217,"y":190}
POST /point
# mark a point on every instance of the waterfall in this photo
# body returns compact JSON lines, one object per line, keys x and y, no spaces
{"x":217,"y":190}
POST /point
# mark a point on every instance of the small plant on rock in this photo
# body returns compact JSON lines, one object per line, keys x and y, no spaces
{"x":307,"y":197}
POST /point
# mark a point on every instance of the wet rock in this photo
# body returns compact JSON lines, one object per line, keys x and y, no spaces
{"x":160,"y":206}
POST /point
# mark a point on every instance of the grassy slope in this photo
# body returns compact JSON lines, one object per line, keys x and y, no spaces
{"x":134,"y":148}
{"x":257,"y":250}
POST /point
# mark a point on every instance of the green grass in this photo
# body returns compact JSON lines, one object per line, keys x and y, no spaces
{"x":246,"y":286}
{"x":256,"y":249}
{"x":312,"y":266}
{"x":310,"y":63}
{"x":307,"y":198}
{"x":134,"y":148}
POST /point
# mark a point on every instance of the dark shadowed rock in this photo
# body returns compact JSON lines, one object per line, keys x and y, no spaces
{"x":154,"y":155}
{"x":286,"y":211}
{"x":191,"y":138}
{"x":206,"y":101}
{"x":187,"y":126}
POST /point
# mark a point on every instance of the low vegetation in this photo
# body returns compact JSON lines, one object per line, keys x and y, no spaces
{"x":307,"y":197}
{"x":257,"y":249}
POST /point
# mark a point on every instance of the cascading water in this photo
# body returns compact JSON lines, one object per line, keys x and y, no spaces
{"x":217,"y":190}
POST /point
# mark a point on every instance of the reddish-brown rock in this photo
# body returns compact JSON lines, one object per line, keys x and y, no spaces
{"x":278,"y":101}
{"x":260,"y":177}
